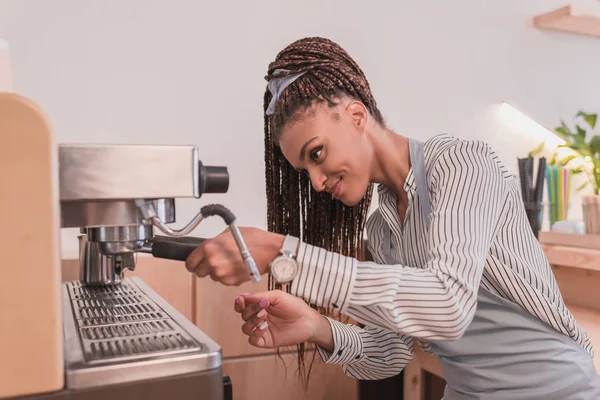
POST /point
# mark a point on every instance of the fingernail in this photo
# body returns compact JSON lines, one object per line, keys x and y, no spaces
{"x":264,"y":303}
{"x":261,"y":314}
{"x":238,"y":300}
{"x":263,"y":325}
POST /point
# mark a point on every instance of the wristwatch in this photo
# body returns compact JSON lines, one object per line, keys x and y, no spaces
{"x":285,"y":267}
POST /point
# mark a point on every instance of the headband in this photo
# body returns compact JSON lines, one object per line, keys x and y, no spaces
{"x":277,"y":86}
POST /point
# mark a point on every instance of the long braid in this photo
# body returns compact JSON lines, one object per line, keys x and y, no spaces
{"x":293,"y":206}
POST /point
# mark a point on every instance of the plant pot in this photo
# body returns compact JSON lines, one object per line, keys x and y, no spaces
{"x":591,"y":214}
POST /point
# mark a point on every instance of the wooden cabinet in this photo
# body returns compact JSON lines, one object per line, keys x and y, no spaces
{"x":266,"y":377}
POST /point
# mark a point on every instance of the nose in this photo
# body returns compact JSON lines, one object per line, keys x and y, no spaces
{"x":317,"y":179}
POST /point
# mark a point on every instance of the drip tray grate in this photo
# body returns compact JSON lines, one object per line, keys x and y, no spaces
{"x":106,"y":349}
{"x":121,"y":322}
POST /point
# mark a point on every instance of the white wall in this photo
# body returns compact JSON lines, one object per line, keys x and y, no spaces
{"x":149,"y":71}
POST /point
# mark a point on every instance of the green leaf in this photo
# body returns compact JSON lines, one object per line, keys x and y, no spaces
{"x":582,"y":149}
{"x":595,"y":145}
{"x":576,"y":171}
{"x":582,"y":186}
{"x":553,"y":160}
{"x":566,"y":160}
{"x":589,"y":118}
{"x":579,"y":140}
{"x":537,"y":150}
{"x":572,"y":146}
{"x":562,"y":132}
{"x":565,"y":127}
{"x":580,"y":131}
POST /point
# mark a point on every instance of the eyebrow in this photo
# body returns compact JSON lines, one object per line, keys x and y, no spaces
{"x":303,"y":149}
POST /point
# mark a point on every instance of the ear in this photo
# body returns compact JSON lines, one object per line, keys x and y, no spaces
{"x":358,"y":114}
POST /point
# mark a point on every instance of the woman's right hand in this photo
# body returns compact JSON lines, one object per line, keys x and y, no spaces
{"x":276,"y":318}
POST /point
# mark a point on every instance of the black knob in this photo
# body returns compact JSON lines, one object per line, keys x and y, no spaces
{"x":213,"y":179}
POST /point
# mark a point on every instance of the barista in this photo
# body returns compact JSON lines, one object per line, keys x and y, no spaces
{"x":456,"y":266}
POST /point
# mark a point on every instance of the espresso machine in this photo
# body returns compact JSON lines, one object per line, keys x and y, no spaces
{"x":105,"y":335}
{"x":117,"y":329}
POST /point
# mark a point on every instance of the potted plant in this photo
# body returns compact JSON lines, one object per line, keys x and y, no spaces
{"x":586,"y":147}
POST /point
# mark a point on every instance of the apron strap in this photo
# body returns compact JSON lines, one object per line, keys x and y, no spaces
{"x":417,"y":159}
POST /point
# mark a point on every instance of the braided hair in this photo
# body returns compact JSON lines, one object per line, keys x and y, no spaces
{"x":293,"y":206}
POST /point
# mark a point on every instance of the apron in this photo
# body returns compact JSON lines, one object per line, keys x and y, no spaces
{"x":506,"y":353}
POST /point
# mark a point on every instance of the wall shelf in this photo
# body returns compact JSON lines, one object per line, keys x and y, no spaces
{"x":571,"y":19}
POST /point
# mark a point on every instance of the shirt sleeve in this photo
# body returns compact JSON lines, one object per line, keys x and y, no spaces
{"x":437,"y":301}
{"x":369,"y":353}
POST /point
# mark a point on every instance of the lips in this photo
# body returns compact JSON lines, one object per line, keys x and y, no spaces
{"x":335,"y":190}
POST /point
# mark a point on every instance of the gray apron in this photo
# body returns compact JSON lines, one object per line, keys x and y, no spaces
{"x":506,"y":353}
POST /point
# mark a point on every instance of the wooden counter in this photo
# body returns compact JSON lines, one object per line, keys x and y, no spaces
{"x":575,"y":261}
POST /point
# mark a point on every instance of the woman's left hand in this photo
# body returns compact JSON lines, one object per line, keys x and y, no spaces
{"x":276,"y":318}
{"x":220,"y":256}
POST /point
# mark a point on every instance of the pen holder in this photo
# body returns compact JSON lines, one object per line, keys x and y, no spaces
{"x":535,"y":214}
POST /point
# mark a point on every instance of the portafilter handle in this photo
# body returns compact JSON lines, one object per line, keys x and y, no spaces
{"x":183,"y":248}
{"x":172,"y":248}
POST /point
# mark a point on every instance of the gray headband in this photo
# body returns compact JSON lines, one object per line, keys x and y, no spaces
{"x":277,"y":86}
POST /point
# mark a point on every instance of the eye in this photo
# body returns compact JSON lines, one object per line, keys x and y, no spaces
{"x":316,"y":153}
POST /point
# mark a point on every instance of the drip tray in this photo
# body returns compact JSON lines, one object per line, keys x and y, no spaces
{"x":116,"y":334}
{"x":121,"y":322}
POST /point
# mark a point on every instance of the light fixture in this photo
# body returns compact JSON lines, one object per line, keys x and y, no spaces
{"x":521,"y":123}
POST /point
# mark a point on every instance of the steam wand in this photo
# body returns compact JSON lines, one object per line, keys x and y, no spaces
{"x":149,"y":214}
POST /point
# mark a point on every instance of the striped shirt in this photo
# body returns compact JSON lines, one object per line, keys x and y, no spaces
{"x":478,"y":235}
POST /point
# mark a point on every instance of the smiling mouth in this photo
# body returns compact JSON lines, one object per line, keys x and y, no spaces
{"x":335,"y":190}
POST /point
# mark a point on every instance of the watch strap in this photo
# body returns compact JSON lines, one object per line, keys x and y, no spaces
{"x":290,"y":245}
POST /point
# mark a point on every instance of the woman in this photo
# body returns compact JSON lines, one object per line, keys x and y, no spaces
{"x":456,"y":265}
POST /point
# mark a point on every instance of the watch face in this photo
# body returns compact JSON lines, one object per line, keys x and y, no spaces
{"x":285,"y":269}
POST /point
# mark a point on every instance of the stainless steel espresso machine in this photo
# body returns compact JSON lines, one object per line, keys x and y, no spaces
{"x":118,"y":331}
{"x":120,"y":339}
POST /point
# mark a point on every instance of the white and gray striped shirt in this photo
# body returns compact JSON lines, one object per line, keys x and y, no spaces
{"x":478,"y":235}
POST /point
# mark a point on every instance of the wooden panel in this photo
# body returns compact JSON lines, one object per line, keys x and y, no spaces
{"x":168,"y":278}
{"x":571,"y":240}
{"x":266,"y":377}
{"x":579,"y":287}
{"x":573,"y":257}
{"x":214,"y":314}
{"x":31,"y":336}
{"x":70,"y":270}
